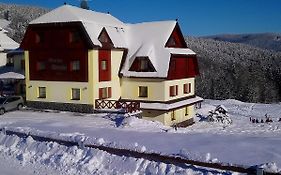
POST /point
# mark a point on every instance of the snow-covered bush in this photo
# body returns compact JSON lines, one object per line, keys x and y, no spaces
{"x":219,"y":115}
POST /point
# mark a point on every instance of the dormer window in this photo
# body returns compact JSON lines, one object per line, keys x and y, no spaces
{"x":142,"y":64}
{"x":105,"y":39}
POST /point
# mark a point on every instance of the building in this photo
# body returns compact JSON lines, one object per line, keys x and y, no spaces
{"x":11,"y":78}
{"x":6,"y":43}
{"x":76,"y":57}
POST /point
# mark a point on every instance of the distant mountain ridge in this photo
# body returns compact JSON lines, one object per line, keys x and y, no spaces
{"x":270,"y":41}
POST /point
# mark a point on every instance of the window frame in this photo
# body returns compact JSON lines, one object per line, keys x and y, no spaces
{"x":40,"y":90}
{"x":173,"y":90}
{"x":143,"y":94}
{"x":187,"y":88}
{"x":104,"y":63}
{"x":73,"y":93}
{"x":75,"y":65}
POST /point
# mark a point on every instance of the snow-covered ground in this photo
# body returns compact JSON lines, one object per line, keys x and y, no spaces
{"x":242,"y":142}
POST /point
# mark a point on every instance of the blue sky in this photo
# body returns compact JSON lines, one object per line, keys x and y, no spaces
{"x":196,"y":18}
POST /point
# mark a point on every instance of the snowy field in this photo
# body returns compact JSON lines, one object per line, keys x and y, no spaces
{"x":242,"y":142}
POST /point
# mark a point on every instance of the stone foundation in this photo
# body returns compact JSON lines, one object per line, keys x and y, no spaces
{"x":83,"y":108}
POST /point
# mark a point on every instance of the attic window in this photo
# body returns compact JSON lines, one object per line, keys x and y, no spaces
{"x":142,"y":64}
{"x":104,"y":38}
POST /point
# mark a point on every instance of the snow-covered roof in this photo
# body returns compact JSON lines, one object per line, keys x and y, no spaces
{"x":143,"y":39}
{"x":4,"y":23}
{"x":166,"y":107}
{"x":8,"y":72}
{"x":6,"y":43}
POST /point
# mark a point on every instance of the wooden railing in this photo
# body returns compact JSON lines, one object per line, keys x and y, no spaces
{"x":127,"y":106}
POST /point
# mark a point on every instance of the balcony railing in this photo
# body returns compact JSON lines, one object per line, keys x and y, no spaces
{"x":126,"y":106}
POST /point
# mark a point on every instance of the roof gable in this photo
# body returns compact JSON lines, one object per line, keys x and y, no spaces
{"x":176,"y":39}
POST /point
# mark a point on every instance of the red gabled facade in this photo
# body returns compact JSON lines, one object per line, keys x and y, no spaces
{"x":104,"y":65}
{"x":181,"y":66}
{"x":53,"y":48}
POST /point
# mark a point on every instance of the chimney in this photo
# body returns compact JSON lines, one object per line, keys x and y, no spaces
{"x":84,"y":4}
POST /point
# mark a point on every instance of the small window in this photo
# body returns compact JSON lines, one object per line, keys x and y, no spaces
{"x":42,"y":92}
{"x":173,"y":91}
{"x":143,"y":64}
{"x":75,"y":93}
{"x":40,"y":65}
{"x":39,"y":37}
{"x":105,"y":93}
{"x":143,"y":91}
{"x":74,"y":37}
{"x":186,"y":111}
{"x":187,"y":88}
{"x":75,"y":65}
{"x":173,"y":116}
{"x":103,"y":65}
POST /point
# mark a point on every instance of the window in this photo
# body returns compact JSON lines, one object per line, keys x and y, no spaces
{"x":75,"y":65}
{"x":42,"y":92}
{"x":186,"y":111}
{"x":74,"y":37}
{"x":173,"y":91}
{"x":143,"y":91}
{"x":75,"y":94}
{"x":105,"y":92}
{"x":40,"y":65}
{"x":173,"y":116}
{"x":187,"y":88}
{"x":103,"y":65}
{"x":143,"y":64}
{"x":39,"y":37}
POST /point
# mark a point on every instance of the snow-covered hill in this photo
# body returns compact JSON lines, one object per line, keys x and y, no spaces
{"x":242,"y":142}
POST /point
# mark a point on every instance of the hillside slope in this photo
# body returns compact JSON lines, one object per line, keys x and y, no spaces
{"x":19,"y":16}
{"x":270,"y":41}
{"x":239,"y":71}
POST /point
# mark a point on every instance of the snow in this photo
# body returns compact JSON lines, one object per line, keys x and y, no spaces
{"x":163,"y":106}
{"x":242,"y":142}
{"x":4,"y":23}
{"x":7,"y":43}
{"x":11,"y":75}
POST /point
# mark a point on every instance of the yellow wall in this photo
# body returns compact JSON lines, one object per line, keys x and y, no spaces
{"x":166,"y":117}
{"x":59,"y":92}
{"x":158,"y":89}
